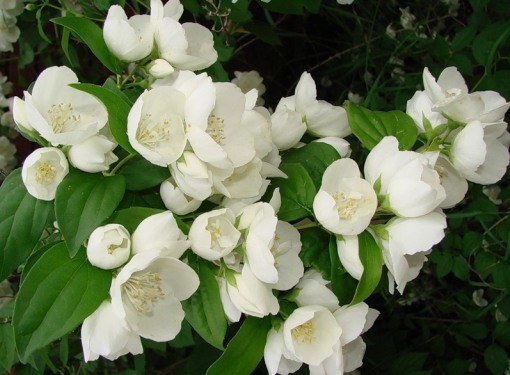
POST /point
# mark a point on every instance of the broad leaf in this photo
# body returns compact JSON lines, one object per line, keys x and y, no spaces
{"x":297,"y":192}
{"x":92,"y":35}
{"x":131,"y":217}
{"x":371,"y":258}
{"x":118,"y":110}
{"x":314,"y":250}
{"x":141,"y":174}
{"x":58,"y":293}
{"x":22,"y":221}
{"x":34,"y":257}
{"x":245,"y":350}
{"x":7,"y":348}
{"x":315,"y":157}
{"x":204,"y":310}
{"x":83,"y":202}
{"x":372,"y":126}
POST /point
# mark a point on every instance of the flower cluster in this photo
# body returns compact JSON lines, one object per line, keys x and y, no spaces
{"x":9,"y":32}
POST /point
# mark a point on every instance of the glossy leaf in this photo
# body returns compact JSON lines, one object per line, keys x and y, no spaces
{"x":141,"y":174}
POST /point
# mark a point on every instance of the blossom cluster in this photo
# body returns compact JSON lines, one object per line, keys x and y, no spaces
{"x":222,"y":149}
{"x":9,"y":32}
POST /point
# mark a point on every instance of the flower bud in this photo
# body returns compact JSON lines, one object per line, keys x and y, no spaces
{"x":43,"y":171}
{"x":160,"y":68}
{"x":95,"y":154}
{"x":109,"y":246}
{"x":175,"y":199}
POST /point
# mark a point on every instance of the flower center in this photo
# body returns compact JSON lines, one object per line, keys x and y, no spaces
{"x":303,"y":333}
{"x":453,"y":92}
{"x":62,"y":117}
{"x":45,"y":173}
{"x":347,"y":204}
{"x":113,"y":246}
{"x":144,"y":290}
{"x":154,"y":133}
{"x":215,"y":128}
{"x":215,"y":231}
{"x":441,"y":171}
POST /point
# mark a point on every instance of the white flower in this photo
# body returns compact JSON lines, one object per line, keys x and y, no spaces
{"x":354,"y":98}
{"x":175,"y":199}
{"x":492,"y":192}
{"x":156,"y":125}
{"x":61,"y":114}
{"x":104,"y":334}
{"x":348,"y":252}
{"x":345,"y":2}
{"x":409,"y":240}
{"x":287,"y":127}
{"x":248,"y":81}
{"x":345,"y":202}
{"x":339,"y":144}
{"x":9,"y":32}
{"x":250,"y":295}
{"x":160,"y":232}
{"x":259,"y":221}
{"x":192,"y":176}
{"x":20,"y":116}
{"x":109,"y":246}
{"x":411,"y":187}
{"x":129,"y":39}
{"x":478,"y":154}
{"x":246,"y":181}
{"x":213,"y":234}
{"x":7,"y":152}
{"x":274,"y":358}
{"x":285,"y":249}
{"x":42,"y":172}
{"x":478,"y":298}
{"x":160,"y":68}
{"x":420,"y":106}
{"x":310,"y":333}
{"x":95,"y":154}
{"x":454,"y":184}
{"x":147,"y":292}
{"x":187,"y":46}
{"x":313,"y":290}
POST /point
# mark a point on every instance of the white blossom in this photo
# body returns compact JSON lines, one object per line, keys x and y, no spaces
{"x":42,"y":172}
{"x":160,"y":68}
{"x":176,"y":200}
{"x":95,"y":154}
{"x":248,"y":81}
{"x":109,"y":246}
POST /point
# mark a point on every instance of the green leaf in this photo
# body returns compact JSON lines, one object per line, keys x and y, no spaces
{"x":408,"y":363}
{"x":131,"y":217}
{"x":488,"y":41}
{"x":372,"y":126}
{"x":315,"y":157}
{"x":7,"y":348}
{"x":314,"y":250}
{"x":92,"y":35}
{"x":118,"y":110}
{"x":342,"y":284}
{"x":22,"y":221}
{"x":463,"y":38}
{"x":245,"y":350}
{"x":296,"y":7}
{"x":34,"y":257}
{"x":141,"y":174}
{"x":57,"y":295}
{"x":204,"y":310}
{"x":495,"y":359}
{"x":297,"y":192}
{"x":83,"y":202}
{"x":371,"y":258}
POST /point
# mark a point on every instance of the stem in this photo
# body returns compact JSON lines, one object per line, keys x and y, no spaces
{"x":307,"y":225}
{"x":120,"y":164}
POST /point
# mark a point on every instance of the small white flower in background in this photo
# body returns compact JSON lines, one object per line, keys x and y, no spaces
{"x":7,"y":159}
{"x":156,"y":125}
{"x":109,"y":246}
{"x":247,"y":294}
{"x":5,"y":90}
{"x":354,"y":98}
{"x":95,"y":154}
{"x":345,"y":2}
{"x":9,"y":32}
{"x":248,"y":81}
{"x":160,"y":68}
{"x":478,"y":298}
{"x":42,"y":172}
{"x":391,"y":32}
{"x":104,"y":334}
{"x":492,"y":192}
{"x":128,"y":39}
{"x":411,"y":186}
{"x":313,"y":290}
{"x":175,"y":200}
{"x":213,"y":234}
{"x":407,"y":19}
{"x":59,"y":113}
{"x":345,"y":202}
{"x":147,"y":291}
{"x":408,"y":241}
{"x":160,"y":232}
{"x":500,"y":317}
